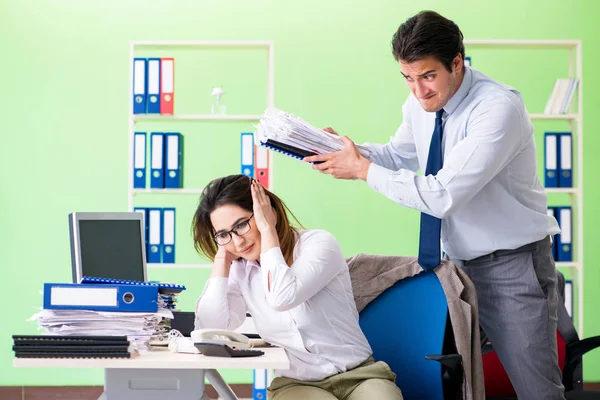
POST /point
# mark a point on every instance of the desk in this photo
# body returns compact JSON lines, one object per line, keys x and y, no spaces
{"x":160,"y":374}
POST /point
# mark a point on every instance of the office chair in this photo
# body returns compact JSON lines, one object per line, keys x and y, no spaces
{"x":408,"y":327}
{"x":570,"y":351}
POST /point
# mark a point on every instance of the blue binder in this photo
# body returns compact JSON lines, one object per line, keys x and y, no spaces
{"x":247,"y":154}
{"x":102,"y":297}
{"x":144,"y":212}
{"x":157,"y":160}
{"x":564,"y":241}
{"x":140,"y":85}
{"x":171,"y":287}
{"x":259,"y":386}
{"x":153,"y":106}
{"x":288,"y":150}
{"x":154,"y":249}
{"x":565,"y":177}
{"x":552,"y":213}
{"x":168,"y":242}
{"x":139,"y":160}
{"x":173,"y":160}
{"x":551,"y":152}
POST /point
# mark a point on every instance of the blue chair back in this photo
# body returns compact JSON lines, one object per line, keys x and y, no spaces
{"x":403,"y":325}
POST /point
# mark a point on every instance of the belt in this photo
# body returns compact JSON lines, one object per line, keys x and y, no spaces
{"x":531,"y":247}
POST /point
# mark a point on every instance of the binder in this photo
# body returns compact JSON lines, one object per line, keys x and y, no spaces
{"x":565,"y":177}
{"x":552,"y":213}
{"x":287,"y":149}
{"x":564,"y":242}
{"x":154,"y":249}
{"x":144,"y":212}
{"x":167,"y":84}
{"x":140,"y":85}
{"x":139,"y":160}
{"x":170,"y":287}
{"x":153,"y":101}
{"x":551,"y":159}
{"x":247,"y":154}
{"x":261,"y":162}
{"x":259,"y":386}
{"x":168,"y":245}
{"x":107,"y":297}
{"x":173,"y":160}
{"x":157,"y":177}
{"x":569,"y":297}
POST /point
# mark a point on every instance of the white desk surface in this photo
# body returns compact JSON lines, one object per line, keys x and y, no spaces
{"x":162,"y":358}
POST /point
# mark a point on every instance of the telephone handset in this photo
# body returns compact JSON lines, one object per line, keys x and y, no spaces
{"x":219,"y":336}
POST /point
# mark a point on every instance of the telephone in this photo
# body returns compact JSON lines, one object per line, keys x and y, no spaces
{"x":215,"y":336}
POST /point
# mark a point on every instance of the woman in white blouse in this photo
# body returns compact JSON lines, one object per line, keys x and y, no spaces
{"x":296,"y":285}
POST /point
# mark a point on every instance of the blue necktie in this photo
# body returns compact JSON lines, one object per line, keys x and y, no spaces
{"x":429,"y":238}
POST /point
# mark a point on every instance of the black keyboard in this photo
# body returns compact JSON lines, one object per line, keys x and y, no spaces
{"x":222,"y":350}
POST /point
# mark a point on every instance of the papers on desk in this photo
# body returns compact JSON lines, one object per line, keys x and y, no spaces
{"x":288,"y":134}
{"x":138,"y":327}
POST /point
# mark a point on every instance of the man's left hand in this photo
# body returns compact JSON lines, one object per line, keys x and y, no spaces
{"x":347,"y":163}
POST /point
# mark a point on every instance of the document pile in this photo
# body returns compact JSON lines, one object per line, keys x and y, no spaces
{"x":141,"y":311}
{"x":288,"y":134}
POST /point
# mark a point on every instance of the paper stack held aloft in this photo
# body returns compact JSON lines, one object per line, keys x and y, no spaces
{"x":288,"y":134}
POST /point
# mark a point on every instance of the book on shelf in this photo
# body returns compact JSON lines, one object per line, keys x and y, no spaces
{"x":561,"y":97}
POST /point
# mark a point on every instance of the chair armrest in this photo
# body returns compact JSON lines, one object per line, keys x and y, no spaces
{"x":452,"y":361}
{"x":578,"y":349}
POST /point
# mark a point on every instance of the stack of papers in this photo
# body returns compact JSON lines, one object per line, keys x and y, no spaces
{"x":290,"y":135}
{"x":138,"y":327}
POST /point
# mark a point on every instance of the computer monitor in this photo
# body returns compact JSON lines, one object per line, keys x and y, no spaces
{"x":108,"y":245}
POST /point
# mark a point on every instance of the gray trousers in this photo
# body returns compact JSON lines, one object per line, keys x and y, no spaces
{"x":517,"y":297}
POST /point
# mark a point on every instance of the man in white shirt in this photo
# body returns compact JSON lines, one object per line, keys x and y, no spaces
{"x":480,"y":195}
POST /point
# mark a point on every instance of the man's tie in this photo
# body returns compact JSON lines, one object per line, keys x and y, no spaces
{"x":429,"y":238}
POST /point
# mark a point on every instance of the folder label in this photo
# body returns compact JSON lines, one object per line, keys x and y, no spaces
{"x":167,"y":84}
{"x":153,"y":85}
{"x":139,"y":160}
{"x":262,"y":165}
{"x":157,"y":180}
{"x":139,"y":85}
{"x":168,"y":235}
{"x":174,"y":154}
{"x":551,"y":154}
{"x":247,"y":154}
{"x":154,"y":236}
{"x":566,"y":162}
{"x":84,"y":296}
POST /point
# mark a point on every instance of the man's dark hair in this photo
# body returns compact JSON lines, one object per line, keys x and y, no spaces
{"x":428,"y":34}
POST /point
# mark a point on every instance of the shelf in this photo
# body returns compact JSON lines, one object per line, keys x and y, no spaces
{"x":167,"y":191}
{"x":569,"y":264}
{"x":171,"y":266}
{"x":195,"y":117}
{"x":568,"y":44}
{"x":203,"y":43}
{"x":566,"y":117}
{"x":563,"y":190}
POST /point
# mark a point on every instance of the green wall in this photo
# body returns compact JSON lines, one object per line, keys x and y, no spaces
{"x":64,"y":79}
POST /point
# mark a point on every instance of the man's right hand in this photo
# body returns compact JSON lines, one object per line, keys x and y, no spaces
{"x":331,"y":130}
{"x":222,"y":263}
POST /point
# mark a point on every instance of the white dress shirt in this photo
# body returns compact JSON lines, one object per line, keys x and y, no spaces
{"x":309,"y":309}
{"x":487,"y":193}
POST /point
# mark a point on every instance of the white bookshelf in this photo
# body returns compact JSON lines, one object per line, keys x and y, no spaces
{"x":140,"y":118}
{"x":194,"y":117}
{"x":575,"y":120}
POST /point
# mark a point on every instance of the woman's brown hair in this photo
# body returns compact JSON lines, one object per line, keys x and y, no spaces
{"x":235,"y":190}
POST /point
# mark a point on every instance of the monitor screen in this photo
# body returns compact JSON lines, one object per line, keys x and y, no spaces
{"x":108,"y":245}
